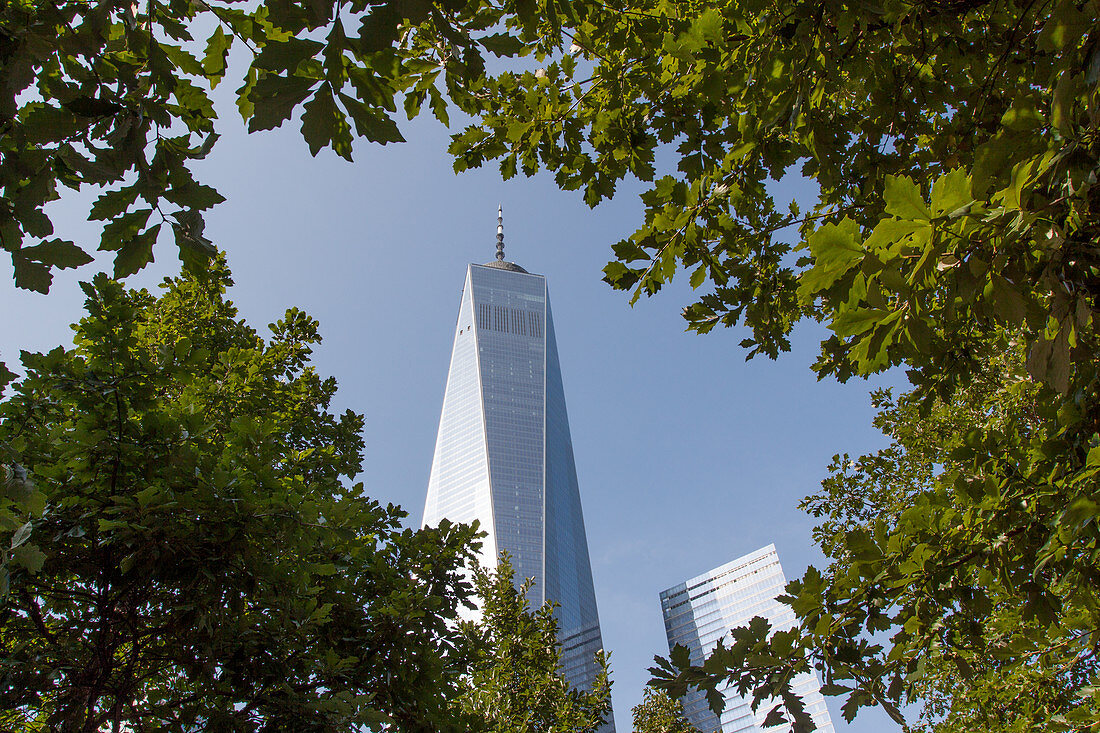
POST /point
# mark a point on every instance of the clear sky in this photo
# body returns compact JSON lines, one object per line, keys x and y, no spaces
{"x":687,"y":455}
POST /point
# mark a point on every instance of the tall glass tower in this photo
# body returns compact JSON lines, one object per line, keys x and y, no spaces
{"x":503,"y":455}
{"x":700,"y":611}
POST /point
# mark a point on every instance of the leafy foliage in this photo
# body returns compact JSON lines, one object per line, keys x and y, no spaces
{"x":659,"y":713}
{"x":757,"y":661}
{"x":115,"y":97}
{"x":990,"y":151}
{"x":960,"y":579}
{"x":194,"y":558}
{"x":976,"y":684}
{"x":514,"y":684}
{"x":955,"y":155}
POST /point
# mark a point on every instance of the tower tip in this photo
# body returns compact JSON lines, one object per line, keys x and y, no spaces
{"x":500,"y":233}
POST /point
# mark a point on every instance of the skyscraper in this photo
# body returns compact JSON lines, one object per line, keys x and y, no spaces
{"x":503,"y":455}
{"x":700,"y":611}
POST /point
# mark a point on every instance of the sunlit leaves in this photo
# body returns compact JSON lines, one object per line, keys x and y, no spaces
{"x":953,"y":221}
{"x":216,"y":58}
{"x":903,"y":199}
{"x":835,"y":248}
{"x":514,"y":681}
{"x":179,"y":464}
{"x":951,"y":194}
{"x":658,"y":712}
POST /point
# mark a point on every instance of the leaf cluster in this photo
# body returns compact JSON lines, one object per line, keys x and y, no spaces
{"x":954,"y":150}
{"x":116,"y":97}
{"x":966,"y":200}
{"x":514,"y":683}
{"x":658,"y":712}
{"x":196,"y":557}
{"x":963,"y":570}
{"x":972,"y":673}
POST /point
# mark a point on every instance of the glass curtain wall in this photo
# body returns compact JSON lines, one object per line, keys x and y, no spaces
{"x":700,"y":611}
{"x":504,"y":455}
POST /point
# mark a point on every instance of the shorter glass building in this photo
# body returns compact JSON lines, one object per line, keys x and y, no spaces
{"x":700,"y":611}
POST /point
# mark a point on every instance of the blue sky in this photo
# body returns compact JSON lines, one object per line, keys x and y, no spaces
{"x":687,"y":455}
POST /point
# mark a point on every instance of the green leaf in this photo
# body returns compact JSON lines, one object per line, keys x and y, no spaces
{"x":371,"y":123}
{"x":919,"y":333}
{"x":29,"y":557}
{"x":890,"y":235}
{"x":7,"y":376}
{"x":854,"y":321}
{"x":706,"y":28}
{"x":319,"y":120}
{"x":1060,"y":366}
{"x":950,"y":192}
{"x":244,"y":94}
{"x":1008,"y":300}
{"x":183,"y":59}
{"x":502,"y":44}
{"x":45,"y":124}
{"x":992,"y":159}
{"x":903,"y":199}
{"x":371,"y":88}
{"x":22,"y":534}
{"x":680,"y":656}
{"x":439,"y":105}
{"x":1065,"y":27}
{"x":380,"y":29}
{"x":286,"y":55}
{"x":1080,"y":511}
{"x":323,"y":124}
{"x":215,"y":59}
{"x":57,"y":253}
{"x":413,"y":101}
{"x":194,"y":196}
{"x":112,"y":203}
{"x":1023,"y":116}
{"x":1061,"y":105}
{"x":200,"y":152}
{"x":31,"y":275}
{"x":698,"y":277}
{"x":274,"y":98}
{"x":136,"y":252}
{"x":835,"y":249}
{"x":123,"y":228}
{"x":194,"y":249}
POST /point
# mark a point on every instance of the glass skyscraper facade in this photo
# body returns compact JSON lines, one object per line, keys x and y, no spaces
{"x":504,"y":457}
{"x":700,"y":611}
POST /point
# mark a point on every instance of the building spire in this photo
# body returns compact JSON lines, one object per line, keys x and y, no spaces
{"x":500,"y":233}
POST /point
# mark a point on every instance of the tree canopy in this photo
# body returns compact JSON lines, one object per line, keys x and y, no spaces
{"x":194,"y":556}
{"x":513,"y":683}
{"x":974,"y":685}
{"x":954,"y":151}
{"x":115,"y":97}
{"x":659,"y":713}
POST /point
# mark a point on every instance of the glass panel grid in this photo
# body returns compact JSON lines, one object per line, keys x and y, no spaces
{"x":504,"y":454}
{"x":701,"y":611}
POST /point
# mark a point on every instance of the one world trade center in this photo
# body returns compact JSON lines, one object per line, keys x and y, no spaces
{"x":503,"y":455}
